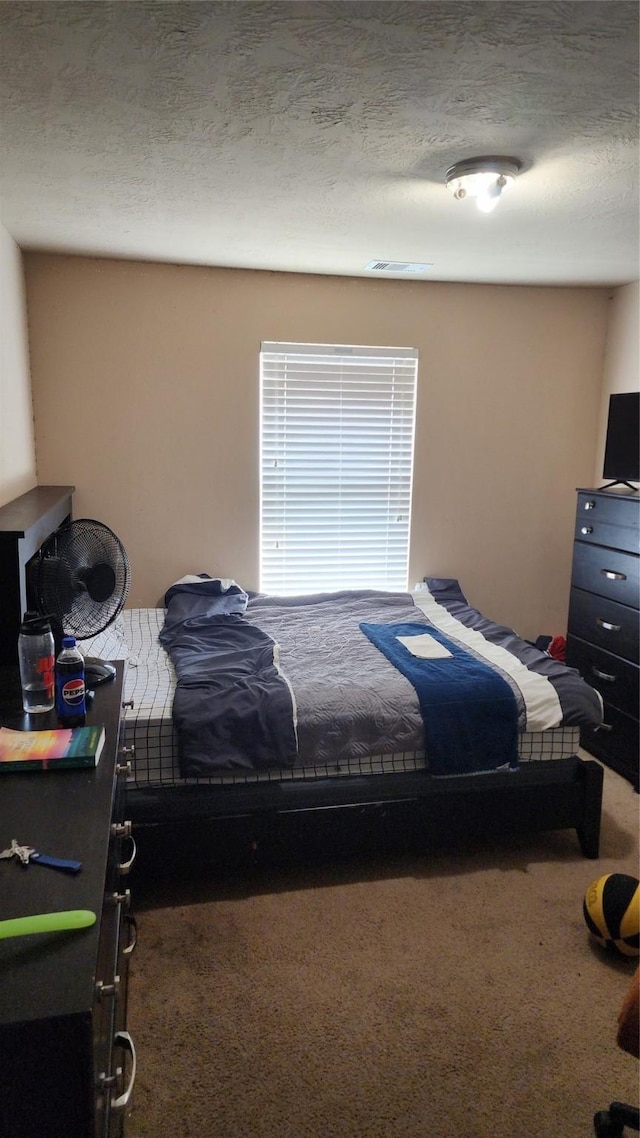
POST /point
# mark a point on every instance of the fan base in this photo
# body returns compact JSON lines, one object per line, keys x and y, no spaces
{"x":97,"y":672}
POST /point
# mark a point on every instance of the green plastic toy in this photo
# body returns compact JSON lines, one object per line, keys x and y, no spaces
{"x":47,"y":923}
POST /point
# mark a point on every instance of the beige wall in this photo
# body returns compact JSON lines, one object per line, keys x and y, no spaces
{"x":622,"y":358}
{"x":145,"y":383}
{"x":17,"y":451}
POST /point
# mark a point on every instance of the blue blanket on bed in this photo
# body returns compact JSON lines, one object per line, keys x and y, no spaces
{"x":469,"y":710}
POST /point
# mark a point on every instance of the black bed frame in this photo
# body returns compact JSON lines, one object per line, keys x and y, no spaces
{"x":229,"y":825}
{"x":350,"y":813}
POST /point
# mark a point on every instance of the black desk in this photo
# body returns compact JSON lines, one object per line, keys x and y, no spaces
{"x":63,"y":995}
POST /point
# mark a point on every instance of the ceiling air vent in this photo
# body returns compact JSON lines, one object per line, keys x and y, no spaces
{"x":397,"y":267}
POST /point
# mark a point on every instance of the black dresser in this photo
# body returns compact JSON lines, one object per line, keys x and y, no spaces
{"x":602,"y":640}
{"x":67,"y":1062}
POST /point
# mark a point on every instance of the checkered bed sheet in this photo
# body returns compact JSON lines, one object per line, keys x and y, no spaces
{"x":149,"y":682}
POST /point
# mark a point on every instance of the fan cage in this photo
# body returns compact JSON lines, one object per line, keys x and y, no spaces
{"x":79,"y":558}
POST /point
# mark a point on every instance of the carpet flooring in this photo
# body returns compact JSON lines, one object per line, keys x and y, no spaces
{"x":451,"y":995}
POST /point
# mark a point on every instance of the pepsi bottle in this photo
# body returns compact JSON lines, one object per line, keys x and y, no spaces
{"x":70,"y":690}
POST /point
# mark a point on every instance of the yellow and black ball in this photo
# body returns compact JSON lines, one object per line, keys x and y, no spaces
{"x":611,"y":910}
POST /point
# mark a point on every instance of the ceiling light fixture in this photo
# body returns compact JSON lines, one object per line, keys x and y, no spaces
{"x":485,"y":179}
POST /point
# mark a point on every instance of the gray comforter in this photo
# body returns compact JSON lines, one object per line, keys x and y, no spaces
{"x":305,"y":684}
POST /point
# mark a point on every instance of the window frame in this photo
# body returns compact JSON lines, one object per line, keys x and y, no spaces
{"x":334,"y":385}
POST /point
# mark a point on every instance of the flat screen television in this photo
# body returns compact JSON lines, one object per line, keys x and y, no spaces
{"x":622,"y":447}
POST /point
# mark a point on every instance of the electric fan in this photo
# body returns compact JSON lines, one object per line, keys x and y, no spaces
{"x":80,"y":578}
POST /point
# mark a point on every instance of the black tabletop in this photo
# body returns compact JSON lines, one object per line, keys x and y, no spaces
{"x":65,"y":813}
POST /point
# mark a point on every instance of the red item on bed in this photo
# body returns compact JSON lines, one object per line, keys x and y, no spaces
{"x":558,"y":649}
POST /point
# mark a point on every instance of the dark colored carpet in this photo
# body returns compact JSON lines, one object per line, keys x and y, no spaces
{"x":454,"y":995}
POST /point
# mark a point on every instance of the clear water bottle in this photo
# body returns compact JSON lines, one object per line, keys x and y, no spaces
{"x":36,"y":655}
{"x":70,"y":686}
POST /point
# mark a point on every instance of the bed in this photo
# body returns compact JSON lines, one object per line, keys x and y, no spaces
{"x":364,"y":747}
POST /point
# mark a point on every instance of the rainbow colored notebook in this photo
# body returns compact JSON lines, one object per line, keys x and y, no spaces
{"x":55,"y":749}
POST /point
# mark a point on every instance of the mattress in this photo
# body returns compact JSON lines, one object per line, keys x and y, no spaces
{"x":149,"y":684}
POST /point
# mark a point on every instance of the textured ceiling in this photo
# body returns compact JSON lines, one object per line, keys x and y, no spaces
{"x":314,"y":137}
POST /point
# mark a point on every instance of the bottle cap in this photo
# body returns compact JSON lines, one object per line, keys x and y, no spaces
{"x":68,"y":641}
{"x":34,"y":623}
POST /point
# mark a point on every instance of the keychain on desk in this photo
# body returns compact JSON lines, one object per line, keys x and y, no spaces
{"x":27,"y":854}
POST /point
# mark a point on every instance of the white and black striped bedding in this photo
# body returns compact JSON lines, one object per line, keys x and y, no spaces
{"x":548,"y":693}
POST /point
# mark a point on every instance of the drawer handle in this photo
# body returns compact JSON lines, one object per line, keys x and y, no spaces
{"x":103,"y":990}
{"x":127,"y":703}
{"x":611,"y":575}
{"x":586,"y":529}
{"x":123,"y":899}
{"x":608,"y":627}
{"x":125,"y":767}
{"x":121,"y":829}
{"x":123,"y":1039}
{"x":131,"y":924}
{"x":125,"y":866}
{"x":603,"y":675}
{"x":590,"y":505}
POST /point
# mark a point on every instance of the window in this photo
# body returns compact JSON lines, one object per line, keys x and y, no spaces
{"x":337,"y":430}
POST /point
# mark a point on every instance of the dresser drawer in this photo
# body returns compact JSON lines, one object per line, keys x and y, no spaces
{"x":607,"y":572}
{"x":604,"y":623}
{"x":617,"y":680}
{"x":616,"y":744}
{"x":608,"y":519}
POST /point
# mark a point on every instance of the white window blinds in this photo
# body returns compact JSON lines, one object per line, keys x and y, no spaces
{"x":337,"y":431}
